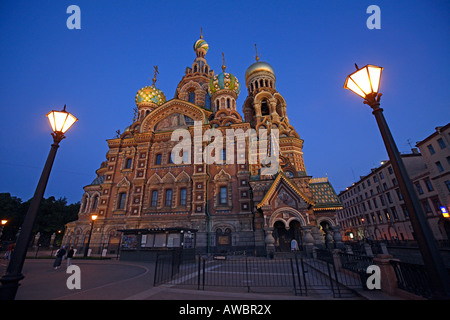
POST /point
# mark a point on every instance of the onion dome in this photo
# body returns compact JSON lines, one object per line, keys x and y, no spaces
{"x":150,"y":94}
{"x":201,"y":44}
{"x":258,"y":67}
{"x":224,"y":81}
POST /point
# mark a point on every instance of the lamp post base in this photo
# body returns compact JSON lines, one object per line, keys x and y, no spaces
{"x":10,"y":285}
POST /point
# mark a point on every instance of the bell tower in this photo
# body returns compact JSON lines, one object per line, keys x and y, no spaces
{"x":265,"y":108}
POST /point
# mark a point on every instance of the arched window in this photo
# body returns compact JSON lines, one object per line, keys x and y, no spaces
{"x":192,"y":97}
{"x":265,"y":108}
{"x":207,"y":101}
{"x":195,"y":68}
{"x":95,"y":203}
{"x":228,"y":103}
{"x":154,"y":198}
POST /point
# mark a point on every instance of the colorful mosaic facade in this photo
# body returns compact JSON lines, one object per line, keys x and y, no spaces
{"x":233,"y":206}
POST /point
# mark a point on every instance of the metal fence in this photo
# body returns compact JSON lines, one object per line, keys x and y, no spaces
{"x":412,"y":278}
{"x":95,"y":250}
{"x":297,"y":275}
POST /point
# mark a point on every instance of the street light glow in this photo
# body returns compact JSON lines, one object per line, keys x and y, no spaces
{"x":61,"y":121}
{"x":364,"y":81}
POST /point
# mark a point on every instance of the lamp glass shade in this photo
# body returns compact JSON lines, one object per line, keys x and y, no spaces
{"x":94,"y":217}
{"x":61,"y":121}
{"x":3,"y":222}
{"x":364,"y":81}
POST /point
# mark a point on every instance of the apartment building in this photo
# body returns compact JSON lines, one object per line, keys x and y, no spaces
{"x":373,"y":207}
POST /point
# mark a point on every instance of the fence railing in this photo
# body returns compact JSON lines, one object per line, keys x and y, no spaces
{"x":299,"y":275}
{"x":98,"y":250}
{"x":412,"y":278}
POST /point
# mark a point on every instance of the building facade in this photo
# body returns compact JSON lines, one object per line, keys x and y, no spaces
{"x":230,"y":202}
{"x":435,"y":151}
{"x":373,"y":207}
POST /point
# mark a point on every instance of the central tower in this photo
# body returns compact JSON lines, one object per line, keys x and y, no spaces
{"x":265,"y":108}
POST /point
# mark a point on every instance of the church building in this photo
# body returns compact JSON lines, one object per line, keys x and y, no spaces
{"x":231,"y":205}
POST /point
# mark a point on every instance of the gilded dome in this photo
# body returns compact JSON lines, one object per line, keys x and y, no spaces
{"x":257,"y":67}
{"x":150,"y":94}
{"x":224,"y":81}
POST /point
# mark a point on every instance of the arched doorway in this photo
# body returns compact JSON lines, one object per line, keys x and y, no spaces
{"x":284,"y":236}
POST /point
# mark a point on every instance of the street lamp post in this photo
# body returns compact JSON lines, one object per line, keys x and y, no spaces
{"x":93,"y":218}
{"x":3,"y":222}
{"x":365,"y":82}
{"x":60,"y":122}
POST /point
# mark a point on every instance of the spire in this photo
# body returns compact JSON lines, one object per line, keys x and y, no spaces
{"x":201,"y":33}
{"x":154,"y":76}
{"x":257,"y":57}
{"x":223,"y":65}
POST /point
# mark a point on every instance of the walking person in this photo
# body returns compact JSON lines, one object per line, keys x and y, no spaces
{"x":59,"y":256}
{"x":69,"y":256}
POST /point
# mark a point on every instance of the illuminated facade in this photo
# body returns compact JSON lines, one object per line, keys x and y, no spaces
{"x":232,"y":205}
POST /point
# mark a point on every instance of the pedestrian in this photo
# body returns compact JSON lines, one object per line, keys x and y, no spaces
{"x":59,"y":256}
{"x":9,"y":251}
{"x":69,"y":256}
{"x":294,"y":245}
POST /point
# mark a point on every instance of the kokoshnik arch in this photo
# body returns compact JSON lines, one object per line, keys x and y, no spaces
{"x":232,"y":206}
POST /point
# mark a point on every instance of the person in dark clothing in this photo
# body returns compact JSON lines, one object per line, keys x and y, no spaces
{"x":59,"y":256}
{"x":69,"y":256}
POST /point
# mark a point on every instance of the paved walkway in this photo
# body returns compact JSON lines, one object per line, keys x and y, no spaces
{"x":117,"y":280}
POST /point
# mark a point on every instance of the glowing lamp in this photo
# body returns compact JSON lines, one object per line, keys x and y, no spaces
{"x":365,"y":81}
{"x":3,"y":222}
{"x":61,"y":121}
{"x":94,"y":217}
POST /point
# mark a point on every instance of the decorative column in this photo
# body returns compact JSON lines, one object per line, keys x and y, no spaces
{"x":308,"y":240}
{"x":270,"y":241}
{"x":337,"y":237}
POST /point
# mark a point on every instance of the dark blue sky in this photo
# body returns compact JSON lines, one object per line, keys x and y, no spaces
{"x":312,"y":46}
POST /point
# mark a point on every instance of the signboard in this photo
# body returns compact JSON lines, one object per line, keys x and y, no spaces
{"x":445,"y":213}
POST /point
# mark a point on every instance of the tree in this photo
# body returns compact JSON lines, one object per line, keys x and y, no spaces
{"x":53,"y":215}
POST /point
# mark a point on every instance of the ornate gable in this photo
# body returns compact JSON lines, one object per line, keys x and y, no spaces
{"x":175,"y":112}
{"x":124,"y":183}
{"x":284,"y":192}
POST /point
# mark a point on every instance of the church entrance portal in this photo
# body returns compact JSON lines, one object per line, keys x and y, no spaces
{"x":283,"y":236}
